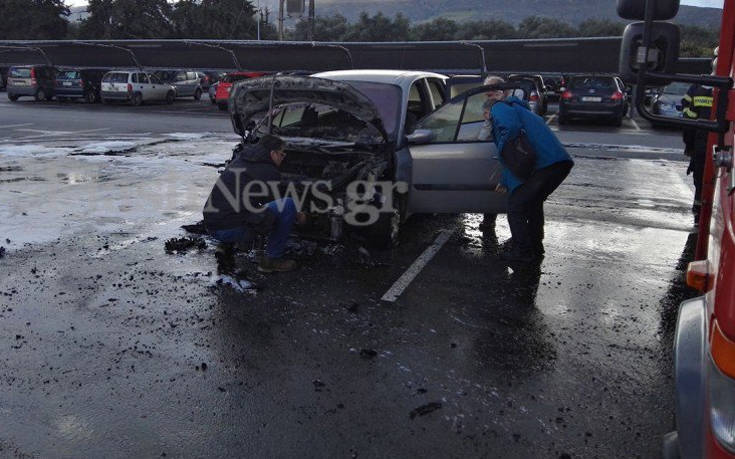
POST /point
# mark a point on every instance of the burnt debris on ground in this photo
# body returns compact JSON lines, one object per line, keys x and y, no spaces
{"x":184,"y":244}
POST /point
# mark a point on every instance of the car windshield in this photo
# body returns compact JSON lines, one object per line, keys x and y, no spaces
{"x":20,"y":73}
{"x":116,"y":78}
{"x":319,"y":121}
{"x":386,"y":98}
{"x":592,"y":83}
{"x":677,"y":89}
{"x":68,"y":75}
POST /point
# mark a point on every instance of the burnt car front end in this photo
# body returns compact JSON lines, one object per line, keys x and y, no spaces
{"x":339,"y":158}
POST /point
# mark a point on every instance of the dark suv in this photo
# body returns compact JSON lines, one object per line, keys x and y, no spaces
{"x":34,"y":81}
{"x":79,"y":83}
{"x":595,"y":96}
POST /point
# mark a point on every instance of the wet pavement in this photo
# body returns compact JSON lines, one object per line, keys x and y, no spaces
{"x":112,"y":347}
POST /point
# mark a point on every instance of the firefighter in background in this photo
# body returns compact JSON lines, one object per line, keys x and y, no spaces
{"x":696,"y":104}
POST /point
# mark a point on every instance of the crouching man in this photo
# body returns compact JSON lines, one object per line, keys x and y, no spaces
{"x":241,"y":204}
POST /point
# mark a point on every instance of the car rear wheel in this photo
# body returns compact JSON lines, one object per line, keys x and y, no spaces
{"x":197,"y":94}
{"x":137,"y":99}
{"x":12,"y":97}
{"x":40,"y":95}
{"x":90,"y":97}
{"x":170,"y":97}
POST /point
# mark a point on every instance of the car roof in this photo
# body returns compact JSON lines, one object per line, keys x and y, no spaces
{"x":402,"y":78}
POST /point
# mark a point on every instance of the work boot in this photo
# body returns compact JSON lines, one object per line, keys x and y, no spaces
{"x":271,"y":265}
{"x":225,"y":256}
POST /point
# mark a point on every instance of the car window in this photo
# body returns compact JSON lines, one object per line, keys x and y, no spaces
{"x":20,"y":73}
{"x":115,"y":78}
{"x":437,"y":93}
{"x":418,"y":103}
{"x":592,"y":83}
{"x":443,"y":122}
{"x":473,"y":120}
{"x":191,"y":76}
{"x":68,"y":75}
{"x":143,"y":78}
{"x":181,"y":76}
{"x":153,"y":79}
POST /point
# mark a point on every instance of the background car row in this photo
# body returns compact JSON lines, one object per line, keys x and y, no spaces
{"x":104,"y":85}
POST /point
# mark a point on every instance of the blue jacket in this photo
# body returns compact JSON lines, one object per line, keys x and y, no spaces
{"x":508,"y":118}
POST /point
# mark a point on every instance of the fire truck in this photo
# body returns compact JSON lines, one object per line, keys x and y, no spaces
{"x":704,"y":343}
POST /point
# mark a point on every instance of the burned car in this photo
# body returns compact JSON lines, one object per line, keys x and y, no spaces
{"x":385,"y":140}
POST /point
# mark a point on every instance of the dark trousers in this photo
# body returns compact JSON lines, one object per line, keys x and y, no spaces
{"x":526,"y":205}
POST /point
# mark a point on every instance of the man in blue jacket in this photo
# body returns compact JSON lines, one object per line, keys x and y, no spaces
{"x":526,"y":198}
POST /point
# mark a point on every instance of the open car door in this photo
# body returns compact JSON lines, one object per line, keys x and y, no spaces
{"x":453,"y":158}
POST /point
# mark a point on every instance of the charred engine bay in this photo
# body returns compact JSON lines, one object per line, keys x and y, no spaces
{"x":304,"y":167}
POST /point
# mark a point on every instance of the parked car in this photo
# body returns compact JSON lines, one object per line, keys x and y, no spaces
{"x":351,"y":125}
{"x":187,"y":83}
{"x":667,"y":101}
{"x":596,"y":96}
{"x":212,"y":92}
{"x":538,"y":99}
{"x":3,"y":77}
{"x":135,"y":87}
{"x":223,"y":88}
{"x":79,"y":84}
{"x":33,"y":81}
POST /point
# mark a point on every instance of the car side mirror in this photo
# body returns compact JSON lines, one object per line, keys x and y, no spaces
{"x":663,"y":10}
{"x":662,"y":54}
{"x":420,"y":137}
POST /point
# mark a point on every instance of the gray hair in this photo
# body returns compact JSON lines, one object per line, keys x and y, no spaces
{"x":493,"y":79}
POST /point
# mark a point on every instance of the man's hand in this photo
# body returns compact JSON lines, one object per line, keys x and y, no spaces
{"x":300,"y":218}
{"x":501,"y":189}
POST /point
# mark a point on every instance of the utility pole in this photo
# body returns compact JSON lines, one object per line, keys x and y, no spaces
{"x":310,"y":33}
{"x":280,"y":19}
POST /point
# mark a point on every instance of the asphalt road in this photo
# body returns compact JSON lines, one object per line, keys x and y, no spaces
{"x":113,"y":348}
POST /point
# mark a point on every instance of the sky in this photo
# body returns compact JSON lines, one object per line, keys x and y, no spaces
{"x":710,"y":3}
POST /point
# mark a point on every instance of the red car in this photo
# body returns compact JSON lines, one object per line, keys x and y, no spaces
{"x":225,"y":85}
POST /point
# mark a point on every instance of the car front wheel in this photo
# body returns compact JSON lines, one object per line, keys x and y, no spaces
{"x":12,"y":97}
{"x":170,"y":97}
{"x":137,"y":99}
{"x":197,"y":94}
{"x":90,"y":97}
{"x":40,"y":94}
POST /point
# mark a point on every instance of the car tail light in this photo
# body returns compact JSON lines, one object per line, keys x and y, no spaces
{"x":33,"y":77}
{"x":533,"y":97}
{"x":617,"y":95}
{"x":721,"y":389}
{"x":567,"y":95}
{"x":130,"y":87}
{"x":698,"y":275}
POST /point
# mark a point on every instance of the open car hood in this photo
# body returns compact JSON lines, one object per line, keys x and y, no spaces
{"x":251,"y":99}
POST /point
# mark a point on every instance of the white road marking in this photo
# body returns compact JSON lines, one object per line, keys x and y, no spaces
{"x":635,"y":125}
{"x":551,"y":118}
{"x":405,"y":280}
{"x":10,"y":126}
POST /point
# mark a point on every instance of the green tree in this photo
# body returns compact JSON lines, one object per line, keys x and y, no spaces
{"x":118,"y":19}
{"x":440,"y":29}
{"x":379,"y":28}
{"x":33,"y":19}
{"x":600,"y":28}
{"x":486,"y":30}
{"x":329,"y":28}
{"x":541,"y":27}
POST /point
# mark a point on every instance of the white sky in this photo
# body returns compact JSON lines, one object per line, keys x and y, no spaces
{"x":710,"y":3}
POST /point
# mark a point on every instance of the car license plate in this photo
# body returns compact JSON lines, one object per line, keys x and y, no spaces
{"x":67,"y":83}
{"x":591,"y":99}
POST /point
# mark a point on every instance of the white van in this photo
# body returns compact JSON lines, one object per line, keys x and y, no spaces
{"x":135,"y":87}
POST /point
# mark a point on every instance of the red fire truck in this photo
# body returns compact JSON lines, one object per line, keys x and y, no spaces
{"x":704,"y":346}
